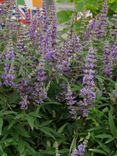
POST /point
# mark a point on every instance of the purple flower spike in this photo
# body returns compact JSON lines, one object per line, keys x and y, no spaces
{"x":107,"y":60}
{"x":70,"y":99}
{"x":103,"y":21}
{"x":24,"y":103}
{"x":114,"y":52}
{"x":90,"y":29}
{"x":23,"y":90}
{"x":88,"y":91}
{"x":9,"y":76}
{"x":39,"y":92}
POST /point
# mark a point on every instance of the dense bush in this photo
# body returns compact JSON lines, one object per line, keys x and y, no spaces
{"x":58,"y":96}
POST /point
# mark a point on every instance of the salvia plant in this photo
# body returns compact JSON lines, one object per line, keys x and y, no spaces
{"x":57,"y":95}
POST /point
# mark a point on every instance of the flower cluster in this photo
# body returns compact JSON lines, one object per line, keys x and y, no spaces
{"x":70,"y":49}
{"x":91,"y":29}
{"x":71,"y":102}
{"x":23,"y":90}
{"x":9,"y":76}
{"x":107,"y":60}
{"x":114,"y":33}
{"x":39,"y":91}
{"x":88,"y":90}
{"x":79,"y":151}
{"x":114,"y":52}
{"x":114,"y":24}
{"x":102,"y":21}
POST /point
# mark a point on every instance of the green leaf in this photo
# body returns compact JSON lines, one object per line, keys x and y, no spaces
{"x":45,"y":123}
{"x":73,"y":144}
{"x":21,"y":131}
{"x":47,"y":131}
{"x":11,"y":124}
{"x":30,"y":120}
{"x":105,"y":148}
{"x":1,"y":149}
{"x":112,"y":124}
{"x":35,"y":114}
{"x":9,"y":142}
{"x":21,"y":147}
{"x":1,"y":125}
{"x":20,"y":116}
{"x":7,"y":113}
{"x":64,"y":16}
{"x":61,"y":129}
{"x":4,"y":154}
{"x":109,"y":140}
{"x":81,"y":5}
{"x":115,"y":154}
{"x":103,"y":136}
{"x":99,"y":151}
{"x":111,"y":1}
{"x":61,"y":1}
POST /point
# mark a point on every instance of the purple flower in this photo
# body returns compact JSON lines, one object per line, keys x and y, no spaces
{"x":23,"y":91}
{"x":103,"y":21}
{"x":70,"y":99}
{"x":63,"y":59}
{"x":75,"y":44}
{"x":79,"y":151}
{"x":32,"y":29}
{"x":36,"y":27}
{"x":1,"y":10}
{"x":114,"y":52}
{"x":20,"y":45}
{"x":8,"y":79}
{"x":23,"y":103}
{"x":90,"y":29}
{"x":44,"y":15}
{"x":107,"y":60}
{"x":39,"y":93}
{"x":53,"y":23}
{"x":9,"y":76}
{"x":88,"y":90}
{"x":114,"y":24}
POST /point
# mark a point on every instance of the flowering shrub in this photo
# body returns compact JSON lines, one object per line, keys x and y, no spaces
{"x":58,"y":96}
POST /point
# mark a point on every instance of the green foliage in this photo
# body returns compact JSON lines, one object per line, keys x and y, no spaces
{"x":66,"y":16}
{"x":93,"y":5}
{"x":47,"y":129}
